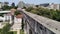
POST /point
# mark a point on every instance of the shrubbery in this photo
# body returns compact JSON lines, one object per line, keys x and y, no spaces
{"x":5,"y":29}
{"x":50,"y":13}
{"x":17,"y":12}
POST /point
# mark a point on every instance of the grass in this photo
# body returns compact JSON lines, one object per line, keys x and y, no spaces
{"x":6,"y":29}
{"x":15,"y":32}
{"x":21,"y":32}
{"x":0,"y":31}
{"x":12,"y":32}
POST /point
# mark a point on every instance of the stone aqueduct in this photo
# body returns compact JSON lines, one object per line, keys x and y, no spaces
{"x":35,"y":24}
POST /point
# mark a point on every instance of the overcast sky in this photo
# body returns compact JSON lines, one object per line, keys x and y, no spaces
{"x":32,"y":1}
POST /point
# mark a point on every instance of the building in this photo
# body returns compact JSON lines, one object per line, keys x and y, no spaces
{"x":44,"y":5}
{"x":0,"y":4}
{"x":50,"y":6}
{"x":21,"y":4}
{"x":55,"y":6}
{"x":3,"y":4}
{"x":6,"y":3}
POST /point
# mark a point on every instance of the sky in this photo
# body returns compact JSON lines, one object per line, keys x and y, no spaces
{"x":32,"y":1}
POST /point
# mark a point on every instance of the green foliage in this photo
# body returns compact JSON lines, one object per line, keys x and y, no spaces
{"x":29,"y":9}
{"x":17,"y":12}
{"x":21,"y":32}
{"x":0,"y":31}
{"x":37,"y":5}
{"x":50,"y":13}
{"x":13,"y":4}
{"x":1,"y":14}
{"x":24,"y":7}
{"x":6,"y":7}
{"x":15,"y":32}
{"x":22,"y":25}
{"x":5,"y":29}
{"x":12,"y":32}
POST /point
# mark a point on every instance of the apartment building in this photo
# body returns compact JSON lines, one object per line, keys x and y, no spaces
{"x":55,"y":6}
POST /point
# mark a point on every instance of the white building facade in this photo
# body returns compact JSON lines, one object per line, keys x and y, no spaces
{"x":0,"y":4}
{"x":55,"y":6}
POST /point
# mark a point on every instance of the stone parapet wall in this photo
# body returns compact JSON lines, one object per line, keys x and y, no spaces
{"x":40,"y":25}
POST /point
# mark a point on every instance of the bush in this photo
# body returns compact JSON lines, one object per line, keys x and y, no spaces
{"x":17,"y":12}
{"x":50,"y":13}
{"x":21,"y":32}
{"x":5,"y":29}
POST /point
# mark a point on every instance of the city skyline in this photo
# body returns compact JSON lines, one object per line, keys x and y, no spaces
{"x":31,"y":1}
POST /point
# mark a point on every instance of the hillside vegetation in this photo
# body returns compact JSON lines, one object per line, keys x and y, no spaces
{"x":50,"y":13}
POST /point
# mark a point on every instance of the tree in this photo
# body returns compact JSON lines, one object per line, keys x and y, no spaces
{"x":24,"y":7}
{"x":50,"y":13}
{"x":29,"y":9}
{"x":16,"y":13}
{"x":37,"y":5}
{"x":5,"y":7}
{"x":6,"y":3}
{"x":13,"y":4}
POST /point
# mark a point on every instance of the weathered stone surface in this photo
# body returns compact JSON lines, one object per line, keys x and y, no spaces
{"x":45,"y":23}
